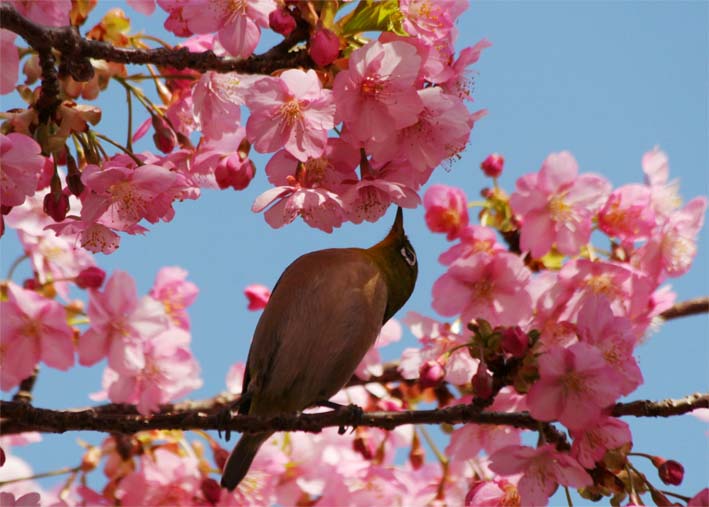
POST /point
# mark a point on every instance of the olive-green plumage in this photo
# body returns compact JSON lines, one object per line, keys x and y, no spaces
{"x":325,"y":312}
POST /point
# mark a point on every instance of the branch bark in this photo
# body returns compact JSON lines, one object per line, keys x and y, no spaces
{"x":19,"y":417}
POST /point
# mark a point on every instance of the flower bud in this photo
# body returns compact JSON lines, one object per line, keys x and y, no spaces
{"x":515,"y":341}
{"x":211,"y":490}
{"x":220,"y":456}
{"x":90,"y":278}
{"x":234,"y":172}
{"x":431,"y":374}
{"x":492,"y":165}
{"x":324,"y":47}
{"x":671,"y":472}
{"x":281,"y":21}
{"x":73,"y":177}
{"x":31,"y":284}
{"x":56,"y":205}
{"x":482,"y":382}
{"x":164,"y":137}
{"x":257,"y":295}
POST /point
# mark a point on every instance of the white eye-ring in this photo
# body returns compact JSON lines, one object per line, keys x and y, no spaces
{"x":409,"y":255}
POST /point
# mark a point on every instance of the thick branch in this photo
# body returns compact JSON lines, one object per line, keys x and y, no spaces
{"x":19,"y":417}
{"x":70,"y":43}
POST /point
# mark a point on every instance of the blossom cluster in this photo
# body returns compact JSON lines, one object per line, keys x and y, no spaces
{"x":394,"y":107}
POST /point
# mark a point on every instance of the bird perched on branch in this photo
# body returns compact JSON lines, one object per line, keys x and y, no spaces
{"x":325,"y":312}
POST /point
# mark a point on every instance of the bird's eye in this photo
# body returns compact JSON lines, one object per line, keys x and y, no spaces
{"x":409,"y":255}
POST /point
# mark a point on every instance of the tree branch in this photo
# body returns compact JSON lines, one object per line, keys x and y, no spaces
{"x":19,"y":417}
{"x":687,"y":308}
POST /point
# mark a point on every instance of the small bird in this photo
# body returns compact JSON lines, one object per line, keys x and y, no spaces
{"x":325,"y":312}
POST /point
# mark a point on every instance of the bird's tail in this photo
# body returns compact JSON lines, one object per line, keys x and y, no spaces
{"x":241,"y":457}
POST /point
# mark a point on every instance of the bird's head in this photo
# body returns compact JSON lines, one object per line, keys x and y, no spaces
{"x":396,"y":257}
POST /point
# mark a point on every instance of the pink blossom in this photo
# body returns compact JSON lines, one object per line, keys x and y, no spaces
{"x":164,"y":478}
{"x":168,"y":372}
{"x":324,"y":46}
{"x":665,"y":194}
{"x":700,"y":499}
{"x":614,"y":337}
{"x":440,"y":342}
{"x":470,"y":439}
{"x":124,"y":194}
{"x":673,"y":246}
{"x":627,"y":290}
{"x":54,"y":13}
{"x":370,"y":198}
{"x":628,"y":213}
{"x":473,"y":239}
{"x":376,"y":92}
{"x":431,"y":20}
{"x":543,"y":469}
{"x":446,"y":210}
{"x":498,"y":492}
{"x":27,"y":500}
{"x":172,"y":289}
{"x":10,"y":61}
{"x":591,"y":444}
{"x":257,"y":295}
{"x":238,"y":24}
{"x":483,"y":286}
{"x":440,"y":133}
{"x":293,"y":112}
{"x":492,"y":166}
{"x":33,"y":329}
{"x":308,"y":189}
{"x":217,"y":100}
{"x":22,"y":163}
{"x":557,"y":205}
{"x":575,"y":385}
{"x":119,"y":324}
{"x":93,"y":236}
{"x":16,"y":468}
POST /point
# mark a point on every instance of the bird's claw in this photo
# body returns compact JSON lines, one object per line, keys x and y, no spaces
{"x":224,"y":418}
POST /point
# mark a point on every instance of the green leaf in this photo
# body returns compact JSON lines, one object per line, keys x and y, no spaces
{"x":374,"y":16}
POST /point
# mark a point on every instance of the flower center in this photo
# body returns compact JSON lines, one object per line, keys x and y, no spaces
{"x":370,"y":87}
{"x":560,"y":210}
{"x":290,"y":112}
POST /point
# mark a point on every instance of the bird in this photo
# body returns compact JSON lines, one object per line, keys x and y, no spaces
{"x":325,"y":312}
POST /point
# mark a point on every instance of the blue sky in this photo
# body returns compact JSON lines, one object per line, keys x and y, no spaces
{"x":607,"y":81}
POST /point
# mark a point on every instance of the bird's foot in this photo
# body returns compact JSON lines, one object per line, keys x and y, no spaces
{"x":224,"y":416}
{"x":354,"y":411}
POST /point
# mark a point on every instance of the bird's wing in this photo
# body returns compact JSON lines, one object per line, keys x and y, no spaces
{"x":321,"y":319}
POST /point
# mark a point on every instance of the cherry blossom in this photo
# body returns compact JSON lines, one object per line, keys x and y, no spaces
{"x":33,"y":329}
{"x":22,"y":163}
{"x":10,"y":61}
{"x":575,"y":385}
{"x":237,"y":23}
{"x":591,"y":444}
{"x":172,"y":289}
{"x":293,"y":112}
{"x":120,"y":323}
{"x":375,"y":92}
{"x":472,"y":239}
{"x":628,"y":213}
{"x":543,"y":469}
{"x":556,"y":205}
{"x":446,"y":210}
{"x":257,"y":295}
{"x":483,"y":286}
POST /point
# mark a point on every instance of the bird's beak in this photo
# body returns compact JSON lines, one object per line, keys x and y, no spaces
{"x":398,"y":227}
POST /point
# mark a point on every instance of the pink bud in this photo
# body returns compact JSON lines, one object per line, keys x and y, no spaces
{"x":220,"y":456}
{"x":90,"y":278}
{"x":446,"y":210}
{"x":56,"y":205}
{"x":492,"y":165}
{"x":431,"y":374}
{"x":31,"y":284}
{"x":482,"y":382}
{"x":164,"y":137}
{"x":211,"y":490}
{"x":324,"y":47}
{"x":515,"y":341}
{"x":258,"y":296}
{"x":671,"y":472}
{"x":234,"y":172}
{"x":281,"y":21}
